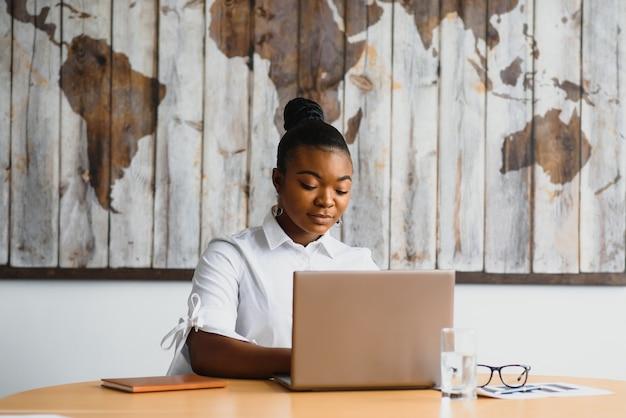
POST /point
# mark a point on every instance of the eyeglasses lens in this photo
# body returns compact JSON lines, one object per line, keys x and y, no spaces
{"x":513,"y":376}
{"x":483,"y":374}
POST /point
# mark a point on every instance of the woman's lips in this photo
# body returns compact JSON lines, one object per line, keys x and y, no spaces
{"x":321,"y":219}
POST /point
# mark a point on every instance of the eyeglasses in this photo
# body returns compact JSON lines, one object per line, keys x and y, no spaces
{"x":512,"y":375}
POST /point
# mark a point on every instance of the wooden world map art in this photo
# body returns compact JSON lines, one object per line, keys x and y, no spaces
{"x":487,"y":136}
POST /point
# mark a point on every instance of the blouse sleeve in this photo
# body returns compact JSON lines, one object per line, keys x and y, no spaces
{"x":216,"y":282}
{"x":214,"y":298}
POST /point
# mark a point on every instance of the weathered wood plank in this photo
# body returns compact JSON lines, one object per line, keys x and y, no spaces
{"x":602,"y":186}
{"x":413,"y":206}
{"x":178,"y":174}
{"x":34,"y":232}
{"x":134,"y":99}
{"x":226,"y":118}
{"x":84,"y":224}
{"x":274,"y":82}
{"x":368,"y":93}
{"x":5,"y":133}
{"x":322,"y":61}
{"x":557,"y":141}
{"x":509,"y":162}
{"x":462,"y":137}
{"x":321,"y":58}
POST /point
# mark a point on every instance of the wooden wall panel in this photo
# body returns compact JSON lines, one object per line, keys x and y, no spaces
{"x":5,"y":133}
{"x":85,"y":82}
{"x":508,"y":171}
{"x":133,"y":124}
{"x":602,"y":186}
{"x":226,"y":129}
{"x":462,"y":136}
{"x":414,"y":133}
{"x":35,"y":139}
{"x":366,"y":222}
{"x":558,"y":145}
{"x":178,"y":165}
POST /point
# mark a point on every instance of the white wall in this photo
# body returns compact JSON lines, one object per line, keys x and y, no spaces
{"x":54,"y":332}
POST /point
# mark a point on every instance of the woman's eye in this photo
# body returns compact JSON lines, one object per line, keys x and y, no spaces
{"x":307,"y":187}
{"x":342,"y":192}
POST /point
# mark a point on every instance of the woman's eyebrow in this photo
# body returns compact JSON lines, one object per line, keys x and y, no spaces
{"x":316,"y":174}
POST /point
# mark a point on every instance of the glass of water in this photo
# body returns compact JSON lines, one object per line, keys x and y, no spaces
{"x":458,"y":363}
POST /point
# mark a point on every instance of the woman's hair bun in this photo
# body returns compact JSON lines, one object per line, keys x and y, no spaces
{"x":299,"y":110}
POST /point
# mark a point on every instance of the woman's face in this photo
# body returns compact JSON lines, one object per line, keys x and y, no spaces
{"x":314,"y":192}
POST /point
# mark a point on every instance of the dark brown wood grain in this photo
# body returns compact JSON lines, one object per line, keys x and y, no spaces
{"x":141,"y":274}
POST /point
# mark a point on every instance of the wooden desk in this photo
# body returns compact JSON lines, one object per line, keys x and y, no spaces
{"x":249,"y":398}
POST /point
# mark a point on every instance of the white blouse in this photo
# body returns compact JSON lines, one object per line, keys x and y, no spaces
{"x":242,"y":287}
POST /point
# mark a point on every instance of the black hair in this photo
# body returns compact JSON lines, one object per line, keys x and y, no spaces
{"x":305,"y":127}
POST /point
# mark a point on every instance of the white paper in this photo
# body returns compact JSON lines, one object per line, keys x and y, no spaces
{"x":540,"y":390}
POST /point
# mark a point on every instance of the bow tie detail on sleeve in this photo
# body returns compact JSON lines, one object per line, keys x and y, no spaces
{"x":179,"y":333}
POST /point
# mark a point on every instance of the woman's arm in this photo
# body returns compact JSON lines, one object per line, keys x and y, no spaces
{"x":220,"y":356}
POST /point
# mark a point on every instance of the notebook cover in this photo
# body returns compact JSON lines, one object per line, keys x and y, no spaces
{"x":163,"y":383}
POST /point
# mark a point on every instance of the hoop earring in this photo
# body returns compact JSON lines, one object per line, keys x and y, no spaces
{"x":339,"y":222}
{"x":277,"y":211}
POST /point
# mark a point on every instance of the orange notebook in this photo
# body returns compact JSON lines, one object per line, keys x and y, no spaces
{"x":163,"y":383}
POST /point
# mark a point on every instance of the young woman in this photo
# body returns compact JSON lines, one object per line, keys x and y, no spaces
{"x":239,"y":321}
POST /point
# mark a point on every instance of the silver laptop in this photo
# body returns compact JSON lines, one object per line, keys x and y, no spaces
{"x":368,"y":329}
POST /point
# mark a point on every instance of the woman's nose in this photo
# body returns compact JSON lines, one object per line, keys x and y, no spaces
{"x":324,"y":198}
